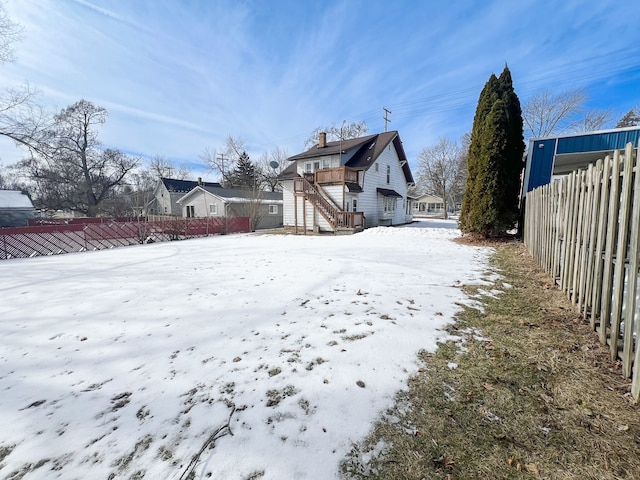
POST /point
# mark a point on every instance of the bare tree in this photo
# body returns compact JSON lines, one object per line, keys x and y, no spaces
{"x":439,"y":169}
{"x":335,"y":132}
{"x":10,"y":33}
{"x":252,"y":207}
{"x":71,"y":170}
{"x":160,"y":166}
{"x":223,"y":163}
{"x":271,"y":164}
{"x":592,"y":119}
{"x":10,"y":179}
{"x":545,"y":113}
{"x":21,"y":119}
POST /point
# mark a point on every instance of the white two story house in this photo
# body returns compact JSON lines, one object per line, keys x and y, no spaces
{"x":345,"y":186}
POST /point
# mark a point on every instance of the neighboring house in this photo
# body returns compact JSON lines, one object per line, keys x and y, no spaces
{"x":428,"y":205}
{"x":561,"y":154}
{"x":168,"y":191}
{"x":348,"y":185}
{"x":264,"y":209}
{"x":16,"y":209}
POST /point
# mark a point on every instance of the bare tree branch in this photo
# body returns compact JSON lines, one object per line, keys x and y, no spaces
{"x":544,"y":113}
{"x":221,"y":431}
{"x":10,"y":33}
{"x":337,"y":132}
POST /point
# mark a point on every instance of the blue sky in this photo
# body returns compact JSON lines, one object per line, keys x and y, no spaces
{"x":178,"y":76}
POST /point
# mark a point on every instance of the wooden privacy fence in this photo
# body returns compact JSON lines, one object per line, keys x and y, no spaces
{"x":584,"y":229}
{"x":52,"y":237}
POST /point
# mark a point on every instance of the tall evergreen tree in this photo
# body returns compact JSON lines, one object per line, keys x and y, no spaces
{"x":490,"y":205}
{"x":245,"y":174}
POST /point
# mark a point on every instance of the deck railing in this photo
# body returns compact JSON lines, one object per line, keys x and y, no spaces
{"x":336,"y":175}
{"x":337,"y":218}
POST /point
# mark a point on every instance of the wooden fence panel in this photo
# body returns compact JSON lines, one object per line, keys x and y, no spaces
{"x":598,"y":259}
{"x":584,"y":230}
{"x":594,"y":202}
{"x":612,"y":221}
{"x":632,"y":280}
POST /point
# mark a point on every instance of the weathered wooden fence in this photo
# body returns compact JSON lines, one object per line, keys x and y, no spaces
{"x":584,"y":229}
{"x":53,"y":237}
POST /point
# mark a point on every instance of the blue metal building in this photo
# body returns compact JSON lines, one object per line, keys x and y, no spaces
{"x":559,"y":155}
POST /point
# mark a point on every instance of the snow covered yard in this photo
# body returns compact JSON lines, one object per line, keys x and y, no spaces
{"x":121,"y":363}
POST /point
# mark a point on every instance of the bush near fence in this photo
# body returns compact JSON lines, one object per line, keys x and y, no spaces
{"x":584,"y":229}
{"x":57,"y":236}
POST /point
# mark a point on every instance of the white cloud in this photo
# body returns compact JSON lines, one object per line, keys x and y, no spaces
{"x":179,"y":77}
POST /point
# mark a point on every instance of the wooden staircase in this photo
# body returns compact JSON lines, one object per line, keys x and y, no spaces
{"x":341,"y":221}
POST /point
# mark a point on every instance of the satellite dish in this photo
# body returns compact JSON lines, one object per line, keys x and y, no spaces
{"x":274,"y":164}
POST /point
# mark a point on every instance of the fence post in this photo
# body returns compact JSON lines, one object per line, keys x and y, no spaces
{"x":621,"y":253}
{"x":632,"y":281}
{"x":596,"y":183}
{"x":612,"y":220}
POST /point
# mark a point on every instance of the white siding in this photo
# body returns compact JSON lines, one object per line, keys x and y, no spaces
{"x":334,"y":161}
{"x":370,"y":202}
{"x":313,"y":218}
{"x":287,"y":207}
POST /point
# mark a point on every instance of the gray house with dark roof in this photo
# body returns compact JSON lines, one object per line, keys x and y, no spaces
{"x":264,"y":209}
{"x":345,"y":186}
{"x":167,"y":193}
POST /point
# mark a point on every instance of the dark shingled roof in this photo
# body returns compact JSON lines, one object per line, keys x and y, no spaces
{"x":184,"y":186}
{"x":387,"y":192}
{"x":289,"y":172}
{"x":358,"y":153}
{"x":243,"y":193}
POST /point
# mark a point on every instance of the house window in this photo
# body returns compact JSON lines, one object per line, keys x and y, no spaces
{"x":213,"y":209}
{"x":325,"y":163}
{"x":355,"y":204}
{"x":390,"y":205}
{"x":377,"y":167}
{"x":388,"y":173}
{"x":191,"y":211}
{"x":307,"y":167}
{"x":316,"y":166}
{"x":273,"y":209}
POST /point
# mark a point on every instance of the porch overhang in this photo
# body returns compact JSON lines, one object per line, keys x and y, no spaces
{"x":387,"y":192}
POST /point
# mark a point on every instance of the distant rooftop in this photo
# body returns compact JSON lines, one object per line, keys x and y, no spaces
{"x":184,"y":186}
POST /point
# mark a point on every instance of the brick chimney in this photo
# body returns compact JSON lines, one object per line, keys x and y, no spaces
{"x":322,"y":140}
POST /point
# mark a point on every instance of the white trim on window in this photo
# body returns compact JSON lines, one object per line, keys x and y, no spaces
{"x":273,"y":209}
{"x":389,"y":204}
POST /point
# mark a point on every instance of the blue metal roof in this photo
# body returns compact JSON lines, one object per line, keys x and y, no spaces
{"x":597,"y":142}
{"x":563,"y":153}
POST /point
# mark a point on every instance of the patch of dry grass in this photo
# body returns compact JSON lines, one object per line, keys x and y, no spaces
{"x":534,"y":395}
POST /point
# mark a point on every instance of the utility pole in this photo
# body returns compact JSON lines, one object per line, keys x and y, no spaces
{"x":222,"y":170}
{"x":386,"y":118}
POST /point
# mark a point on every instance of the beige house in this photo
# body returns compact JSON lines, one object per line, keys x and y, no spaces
{"x":428,"y":205}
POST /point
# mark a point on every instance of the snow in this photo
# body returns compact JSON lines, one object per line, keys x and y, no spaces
{"x":14,"y":199}
{"x":127,"y":360}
